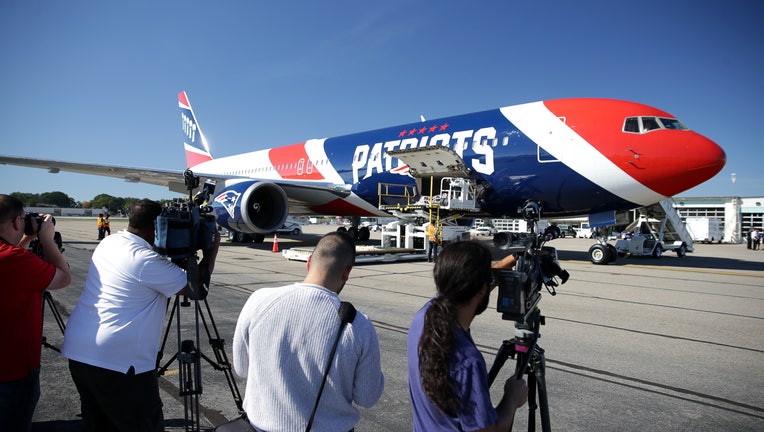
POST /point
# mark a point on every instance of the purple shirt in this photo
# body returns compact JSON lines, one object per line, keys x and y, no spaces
{"x":468,"y":371}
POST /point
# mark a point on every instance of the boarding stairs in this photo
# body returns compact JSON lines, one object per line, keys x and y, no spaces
{"x":665,"y":223}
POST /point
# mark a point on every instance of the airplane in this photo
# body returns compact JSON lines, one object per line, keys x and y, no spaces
{"x":574,"y":157}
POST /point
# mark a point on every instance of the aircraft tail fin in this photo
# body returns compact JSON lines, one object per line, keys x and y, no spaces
{"x":194,"y":142}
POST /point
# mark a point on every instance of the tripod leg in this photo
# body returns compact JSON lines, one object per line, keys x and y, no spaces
{"x":532,"y":406}
{"x":222,"y":363}
{"x":506,"y":350}
{"x":190,"y":379}
{"x":538,"y":369}
{"x":161,"y":370}
{"x":48,"y":298}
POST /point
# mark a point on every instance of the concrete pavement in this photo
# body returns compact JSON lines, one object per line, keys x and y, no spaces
{"x":640,"y":344}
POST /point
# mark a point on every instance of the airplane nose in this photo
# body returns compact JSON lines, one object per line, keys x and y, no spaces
{"x":699,"y":160}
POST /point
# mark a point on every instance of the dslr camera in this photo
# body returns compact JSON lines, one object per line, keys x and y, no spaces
{"x":29,"y":227}
{"x":536,"y":266}
{"x":32,"y":220}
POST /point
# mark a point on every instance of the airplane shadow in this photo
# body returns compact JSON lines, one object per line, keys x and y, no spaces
{"x":77,"y":425}
{"x":671,"y":260}
{"x":286,"y":242}
{"x":94,"y":242}
{"x":57,"y":426}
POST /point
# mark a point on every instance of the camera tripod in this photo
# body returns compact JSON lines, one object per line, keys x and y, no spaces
{"x":530,"y":361}
{"x":36,"y":248}
{"x":189,"y":359}
{"x":47,"y":298}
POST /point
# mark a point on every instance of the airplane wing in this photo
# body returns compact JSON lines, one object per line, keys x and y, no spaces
{"x":299,"y":194}
{"x":168,"y":178}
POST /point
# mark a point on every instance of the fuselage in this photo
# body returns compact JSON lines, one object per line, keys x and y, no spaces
{"x":575,"y":156}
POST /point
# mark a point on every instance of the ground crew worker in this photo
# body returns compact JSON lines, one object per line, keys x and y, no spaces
{"x":434,"y":239}
{"x":106,"y":228}
{"x":100,"y":226}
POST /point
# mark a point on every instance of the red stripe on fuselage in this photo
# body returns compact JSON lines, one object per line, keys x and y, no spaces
{"x":667,"y":161}
{"x":292,"y":162}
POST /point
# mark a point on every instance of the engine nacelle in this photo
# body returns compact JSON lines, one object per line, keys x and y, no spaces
{"x":252,"y":207}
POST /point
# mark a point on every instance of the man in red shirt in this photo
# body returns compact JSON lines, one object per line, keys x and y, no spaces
{"x":24,"y":277}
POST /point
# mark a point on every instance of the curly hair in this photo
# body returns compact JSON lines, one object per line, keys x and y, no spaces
{"x":461,"y":271}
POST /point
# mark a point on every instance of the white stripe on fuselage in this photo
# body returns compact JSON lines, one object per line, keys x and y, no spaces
{"x":316,"y":152}
{"x":556,"y":138}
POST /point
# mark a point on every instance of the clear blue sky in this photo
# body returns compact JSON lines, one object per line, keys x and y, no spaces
{"x":97,"y":81}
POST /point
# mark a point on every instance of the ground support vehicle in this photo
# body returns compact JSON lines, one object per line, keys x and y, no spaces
{"x":567,"y":231}
{"x":705,"y":230}
{"x":657,"y":229}
{"x":583,"y":231}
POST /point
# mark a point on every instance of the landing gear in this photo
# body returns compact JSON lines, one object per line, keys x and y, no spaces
{"x":599,"y":254}
{"x":358,"y":234}
{"x":602,"y":254}
{"x":240,"y":237}
{"x":237,"y":237}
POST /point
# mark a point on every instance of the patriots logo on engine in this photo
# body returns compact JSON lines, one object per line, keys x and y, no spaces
{"x":228,"y":200}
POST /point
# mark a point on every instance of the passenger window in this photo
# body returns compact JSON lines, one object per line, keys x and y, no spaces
{"x":631,"y":125}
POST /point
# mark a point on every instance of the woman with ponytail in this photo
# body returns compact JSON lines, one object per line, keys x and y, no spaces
{"x":448,"y":378}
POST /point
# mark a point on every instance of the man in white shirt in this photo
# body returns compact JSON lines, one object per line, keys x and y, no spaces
{"x":113,"y":335}
{"x":283,"y":340}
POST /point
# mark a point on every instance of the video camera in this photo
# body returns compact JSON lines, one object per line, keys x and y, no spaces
{"x":184,"y":227}
{"x":536,"y":266}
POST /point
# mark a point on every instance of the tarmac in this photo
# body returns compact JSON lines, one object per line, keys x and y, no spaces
{"x":668,"y":344}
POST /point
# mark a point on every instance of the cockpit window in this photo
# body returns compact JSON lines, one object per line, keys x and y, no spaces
{"x":673,"y":124}
{"x":649,"y":123}
{"x":632,"y":124}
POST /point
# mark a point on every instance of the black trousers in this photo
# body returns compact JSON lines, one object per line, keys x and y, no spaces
{"x":113,"y":401}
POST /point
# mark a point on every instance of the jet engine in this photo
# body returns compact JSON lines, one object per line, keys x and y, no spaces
{"x":252,"y":207}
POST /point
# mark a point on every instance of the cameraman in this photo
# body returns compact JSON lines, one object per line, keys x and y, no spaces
{"x":448,"y":378}
{"x":113,"y":335}
{"x":25,"y":277}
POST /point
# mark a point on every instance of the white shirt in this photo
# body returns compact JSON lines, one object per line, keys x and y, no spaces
{"x":282,"y":342}
{"x":118,"y":320}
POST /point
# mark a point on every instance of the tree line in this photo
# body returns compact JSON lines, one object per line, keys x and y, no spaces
{"x":60,"y":199}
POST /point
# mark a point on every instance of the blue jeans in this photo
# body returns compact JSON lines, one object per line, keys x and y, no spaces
{"x":432,"y":250}
{"x":18,"y":400}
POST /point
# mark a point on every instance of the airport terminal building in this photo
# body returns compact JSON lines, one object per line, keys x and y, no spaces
{"x":738,"y":215}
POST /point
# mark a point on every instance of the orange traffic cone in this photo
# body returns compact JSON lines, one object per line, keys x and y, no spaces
{"x":275,"y":242}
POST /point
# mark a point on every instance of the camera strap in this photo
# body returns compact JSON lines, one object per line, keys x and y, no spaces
{"x":347,"y":314}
